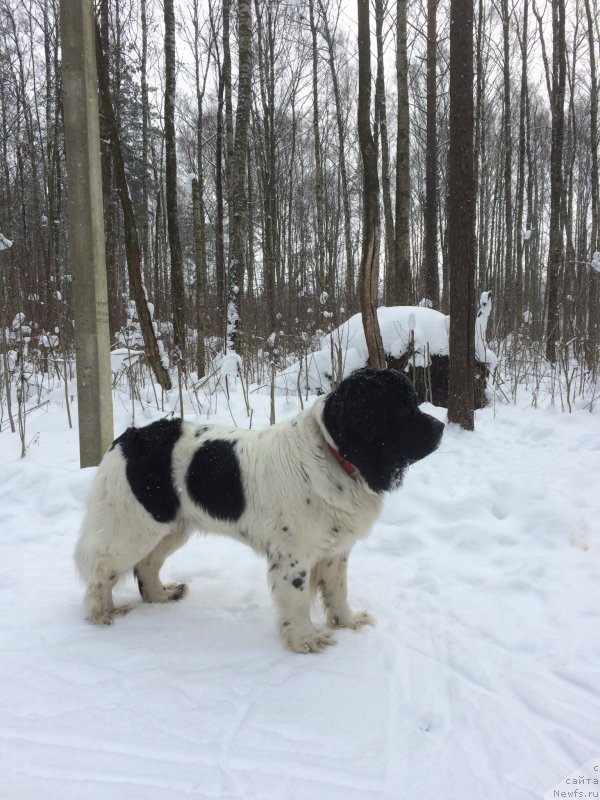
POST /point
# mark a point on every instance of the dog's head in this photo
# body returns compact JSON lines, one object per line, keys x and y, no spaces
{"x":376,"y":425}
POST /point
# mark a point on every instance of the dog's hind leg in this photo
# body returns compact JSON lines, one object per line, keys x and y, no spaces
{"x":101,"y":569}
{"x":147,"y":570}
{"x":98,"y":599}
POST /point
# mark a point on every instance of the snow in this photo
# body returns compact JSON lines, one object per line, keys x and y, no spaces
{"x":479,"y":682}
{"x":345,"y":349}
{"x":231,"y":365}
{"x":482,"y":352}
{"x":5,"y":244}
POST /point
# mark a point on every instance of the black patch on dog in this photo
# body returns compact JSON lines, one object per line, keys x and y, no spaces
{"x":376,"y":425}
{"x":148,"y":452}
{"x":214,"y":480}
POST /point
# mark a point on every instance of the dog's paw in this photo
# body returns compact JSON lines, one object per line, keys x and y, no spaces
{"x":352,"y":620}
{"x":306,"y":640}
{"x":176,"y":591}
{"x":102,"y":617}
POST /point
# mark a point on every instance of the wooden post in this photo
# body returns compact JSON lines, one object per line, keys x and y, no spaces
{"x":88,"y":263}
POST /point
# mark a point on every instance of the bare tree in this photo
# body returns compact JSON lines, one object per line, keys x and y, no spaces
{"x":398,"y":287}
{"x":461,"y":217}
{"x":594,"y":290}
{"x":381,"y":126}
{"x":238,"y":223}
{"x":268,"y":158}
{"x":431,"y":278}
{"x":320,"y":202}
{"x":555,"y":246}
{"x":220,"y":270}
{"x":145,"y":210}
{"x":177,"y":283}
{"x":369,"y":268}
{"x":199,"y":217}
{"x":509,"y":283}
{"x":520,"y":241}
{"x":132,"y":245}
{"x":341,"y":128}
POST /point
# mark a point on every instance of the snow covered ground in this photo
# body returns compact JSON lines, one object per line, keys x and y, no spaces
{"x":481,"y":680}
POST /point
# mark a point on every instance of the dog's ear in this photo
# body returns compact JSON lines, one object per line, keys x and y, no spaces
{"x":364,"y":411}
{"x":357,"y":408}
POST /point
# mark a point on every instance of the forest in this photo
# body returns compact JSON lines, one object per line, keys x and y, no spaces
{"x":285,"y":191}
{"x":232,"y":179}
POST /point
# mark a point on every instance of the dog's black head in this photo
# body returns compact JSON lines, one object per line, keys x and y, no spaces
{"x":375,"y":423}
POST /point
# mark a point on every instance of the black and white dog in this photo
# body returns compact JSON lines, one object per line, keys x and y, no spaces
{"x":301,"y":492}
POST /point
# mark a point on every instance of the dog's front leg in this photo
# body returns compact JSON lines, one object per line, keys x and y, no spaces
{"x":331,"y":578}
{"x":290,"y":585}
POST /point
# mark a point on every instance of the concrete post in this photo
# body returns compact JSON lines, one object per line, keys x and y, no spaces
{"x":86,"y":222}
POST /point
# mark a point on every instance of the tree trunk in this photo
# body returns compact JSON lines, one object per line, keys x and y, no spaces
{"x":509,"y":289}
{"x":220,"y":269}
{"x":398,"y":290}
{"x":200,"y":278}
{"x":431,"y":278}
{"x":381,"y":117}
{"x":226,"y":75}
{"x":177,"y":284}
{"x":320,"y":202}
{"x":115,"y":305}
{"x":555,"y":247}
{"x":268,"y":160}
{"x":369,"y":268}
{"x":518,"y":315}
{"x":198,"y":199}
{"x":341,"y":128}
{"x":238,"y":224}
{"x":594,"y":288}
{"x":145,"y":227}
{"x":461,"y":218}
{"x":132,"y":246}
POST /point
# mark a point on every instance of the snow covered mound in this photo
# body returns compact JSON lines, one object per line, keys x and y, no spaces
{"x":345,"y":349}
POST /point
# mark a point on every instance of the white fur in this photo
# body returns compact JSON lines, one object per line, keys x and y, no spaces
{"x":282,"y":467}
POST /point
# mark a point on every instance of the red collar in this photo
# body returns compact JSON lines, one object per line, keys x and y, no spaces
{"x":348,"y":468}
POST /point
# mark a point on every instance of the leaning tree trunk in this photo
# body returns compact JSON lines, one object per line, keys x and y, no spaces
{"x":369,"y":267}
{"x":461,"y":218}
{"x":132,"y":245}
